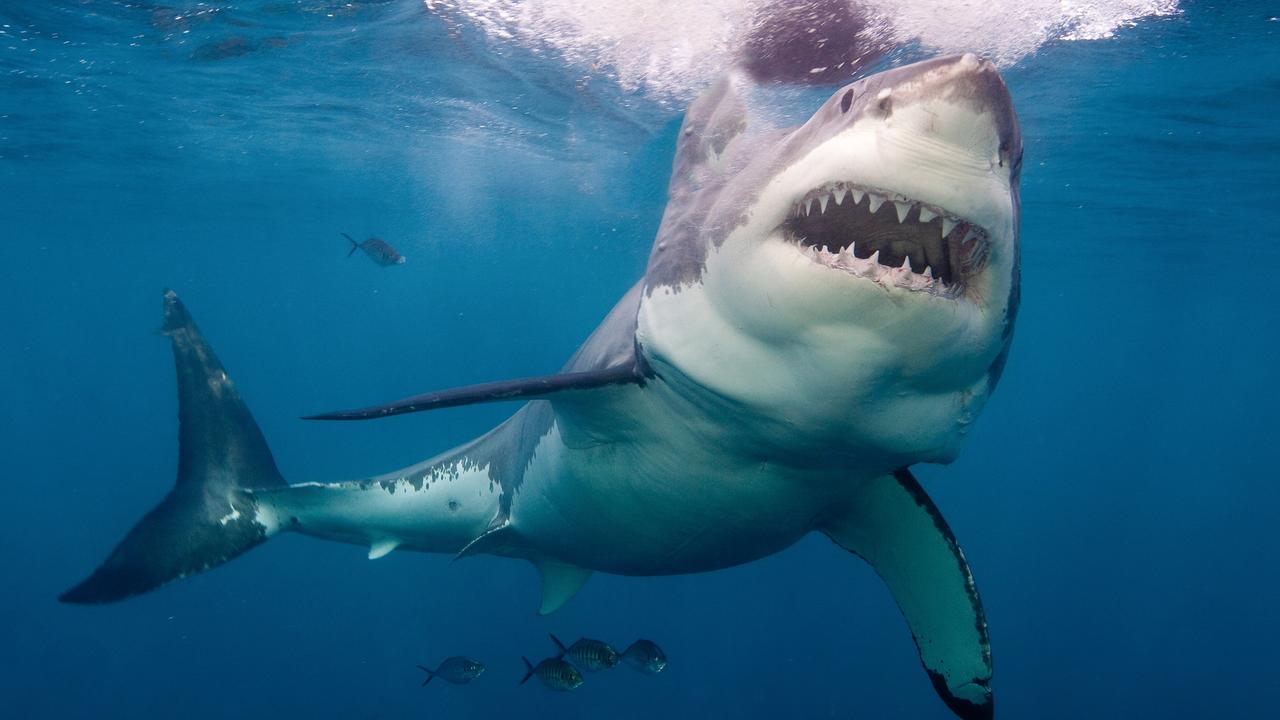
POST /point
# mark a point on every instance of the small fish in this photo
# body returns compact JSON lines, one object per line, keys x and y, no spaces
{"x":554,"y":673}
{"x":588,"y":654}
{"x":646,"y":656}
{"x":457,"y":670}
{"x":378,"y":250}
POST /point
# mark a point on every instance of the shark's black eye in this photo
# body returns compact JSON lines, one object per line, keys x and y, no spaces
{"x":846,"y":102}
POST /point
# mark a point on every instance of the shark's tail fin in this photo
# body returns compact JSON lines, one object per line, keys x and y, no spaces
{"x":207,"y":518}
{"x":528,"y":670}
{"x":354,"y":245}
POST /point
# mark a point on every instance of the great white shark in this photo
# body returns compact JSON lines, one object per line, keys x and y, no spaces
{"x":824,"y":307}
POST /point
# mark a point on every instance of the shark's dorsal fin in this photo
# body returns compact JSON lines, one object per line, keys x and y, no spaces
{"x":530,"y":388}
{"x":560,"y":582}
{"x":710,"y":124}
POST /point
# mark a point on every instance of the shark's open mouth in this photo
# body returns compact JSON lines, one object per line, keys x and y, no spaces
{"x":887,"y":237}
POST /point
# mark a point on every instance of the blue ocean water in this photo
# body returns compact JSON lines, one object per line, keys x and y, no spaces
{"x":1116,"y":500}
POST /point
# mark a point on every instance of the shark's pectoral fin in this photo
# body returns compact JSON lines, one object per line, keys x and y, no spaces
{"x":530,"y":388}
{"x":560,"y":582}
{"x":895,"y":527}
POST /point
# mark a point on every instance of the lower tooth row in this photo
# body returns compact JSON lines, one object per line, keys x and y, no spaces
{"x":901,"y":276}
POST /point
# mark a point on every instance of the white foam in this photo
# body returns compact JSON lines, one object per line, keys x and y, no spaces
{"x":670,"y":49}
{"x":662,"y":47}
{"x":1008,"y":30}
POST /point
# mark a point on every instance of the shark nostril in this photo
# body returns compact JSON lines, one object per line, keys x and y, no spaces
{"x":846,"y":102}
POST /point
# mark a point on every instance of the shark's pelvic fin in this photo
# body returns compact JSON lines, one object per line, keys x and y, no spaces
{"x":207,"y":518}
{"x":895,"y":527}
{"x":382,"y":547}
{"x":560,"y":582}
{"x":520,"y":389}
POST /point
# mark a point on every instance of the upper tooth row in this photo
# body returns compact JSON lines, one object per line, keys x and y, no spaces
{"x":903,"y":207}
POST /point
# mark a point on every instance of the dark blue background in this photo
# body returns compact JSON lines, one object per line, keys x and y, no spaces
{"x":1117,"y":500}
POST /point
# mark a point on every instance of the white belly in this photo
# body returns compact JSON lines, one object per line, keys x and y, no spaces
{"x":666,"y":500}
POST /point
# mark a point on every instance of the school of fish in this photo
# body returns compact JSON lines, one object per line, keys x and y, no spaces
{"x":556,"y":672}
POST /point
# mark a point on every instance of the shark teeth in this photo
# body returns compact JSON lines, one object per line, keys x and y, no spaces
{"x":905,"y":249}
{"x":870,"y":268}
{"x":902,"y":208}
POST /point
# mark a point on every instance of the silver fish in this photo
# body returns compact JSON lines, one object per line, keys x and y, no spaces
{"x":646,"y":656}
{"x":457,"y":670}
{"x":378,"y":250}
{"x":554,"y":673}
{"x":588,"y":654}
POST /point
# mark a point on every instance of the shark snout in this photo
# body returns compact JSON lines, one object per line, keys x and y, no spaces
{"x":956,"y":101}
{"x":967,"y":99}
